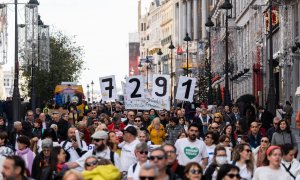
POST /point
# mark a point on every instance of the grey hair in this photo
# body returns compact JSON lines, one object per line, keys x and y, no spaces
{"x":148,"y":166}
{"x":141,"y":146}
{"x":47,"y":143}
{"x":17,"y":123}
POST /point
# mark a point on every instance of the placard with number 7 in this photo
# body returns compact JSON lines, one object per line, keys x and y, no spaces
{"x":160,"y":86}
{"x":186,"y":88}
{"x":108,"y":88}
{"x":135,"y":87}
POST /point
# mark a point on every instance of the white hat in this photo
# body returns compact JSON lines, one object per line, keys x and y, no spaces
{"x":100,"y":135}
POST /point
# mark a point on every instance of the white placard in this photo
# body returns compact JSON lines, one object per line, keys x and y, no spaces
{"x":108,"y":88}
{"x":186,"y":88}
{"x":135,"y":87}
{"x":160,"y":86}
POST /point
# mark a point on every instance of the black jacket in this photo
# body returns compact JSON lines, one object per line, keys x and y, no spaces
{"x":38,"y":164}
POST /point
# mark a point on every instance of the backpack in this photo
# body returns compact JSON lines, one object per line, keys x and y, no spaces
{"x":111,"y":155}
{"x":134,"y":167}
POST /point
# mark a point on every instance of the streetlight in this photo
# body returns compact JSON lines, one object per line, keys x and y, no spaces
{"x":147,"y":67}
{"x":171,"y":47}
{"x":209,"y":24}
{"x":187,"y":39}
{"x":159,"y":53}
{"x":140,"y":67}
{"x":92,"y":83}
{"x":227,"y":99}
{"x":88,"y":92}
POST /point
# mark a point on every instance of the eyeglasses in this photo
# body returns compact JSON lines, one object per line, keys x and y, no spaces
{"x":30,"y":115}
{"x":137,"y":121}
{"x":208,"y":137}
{"x":248,"y":150}
{"x":275,"y":123}
{"x":195,"y":171}
{"x":265,"y":141}
{"x":93,"y":163}
{"x":217,"y":117}
{"x":234,"y":175}
{"x":152,"y":158}
{"x":214,"y":127}
{"x":147,"y":177}
{"x":143,"y":152}
{"x":94,"y":113}
{"x":131,"y":115}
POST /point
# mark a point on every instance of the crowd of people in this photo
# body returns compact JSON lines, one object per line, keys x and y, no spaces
{"x":111,"y":142}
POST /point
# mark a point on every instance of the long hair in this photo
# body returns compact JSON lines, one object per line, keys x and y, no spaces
{"x":224,"y":169}
{"x":53,"y":157}
{"x":287,"y":129}
{"x":236,"y":156}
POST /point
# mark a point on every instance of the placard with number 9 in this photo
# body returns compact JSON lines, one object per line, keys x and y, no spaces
{"x":135,"y":87}
{"x":186,"y":88}
{"x":161,"y":86}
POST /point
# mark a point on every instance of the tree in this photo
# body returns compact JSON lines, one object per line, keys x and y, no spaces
{"x":66,"y":64}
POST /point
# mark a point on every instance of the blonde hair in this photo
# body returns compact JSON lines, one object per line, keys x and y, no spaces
{"x":71,"y":174}
{"x":155,"y":120}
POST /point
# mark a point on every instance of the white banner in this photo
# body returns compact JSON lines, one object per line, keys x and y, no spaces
{"x":186,"y":88}
{"x":108,"y":88}
{"x":161,"y":86}
{"x":147,"y":103}
{"x":135,"y":87}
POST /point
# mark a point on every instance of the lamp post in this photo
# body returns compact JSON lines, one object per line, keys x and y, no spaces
{"x":16,"y":92}
{"x":209,"y":24}
{"x":171,"y":47}
{"x":92,"y":83}
{"x":271,"y":93}
{"x":187,"y":39}
{"x":227,"y":99}
{"x":147,"y":67}
{"x":140,"y":67}
{"x":88,"y":92}
{"x":159,"y":53}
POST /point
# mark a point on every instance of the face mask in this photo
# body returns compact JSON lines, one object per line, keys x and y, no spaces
{"x":221,"y":160}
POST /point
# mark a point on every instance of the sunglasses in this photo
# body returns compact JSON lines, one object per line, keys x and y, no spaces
{"x":152,"y":158}
{"x":137,"y":121}
{"x":214,"y":127}
{"x":248,"y":150}
{"x":97,"y":140}
{"x":265,"y":141}
{"x":143,"y":152}
{"x":147,"y":177}
{"x":93,"y":163}
{"x":234,"y":175}
{"x":195,"y":171}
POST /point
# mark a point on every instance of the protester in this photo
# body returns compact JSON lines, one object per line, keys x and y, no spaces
{"x":14,"y":168}
{"x":193,"y":171}
{"x":191,"y":149}
{"x":242,"y":158}
{"x":25,"y":152}
{"x":210,"y":140}
{"x":228,"y":172}
{"x":283,"y":135}
{"x":288,"y":161}
{"x":272,"y":169}
{"x":112,"y":142}
{"x":273,"y":129}
{"x":90,"y":163}
{"x":259,"y":153}
{"x":157,"y":132}
{"x":171,"y":157}
{"x":148,"y":171}
{"x":141,"y":152}
{"x":218,"y":160}
{"x":173,"y":130}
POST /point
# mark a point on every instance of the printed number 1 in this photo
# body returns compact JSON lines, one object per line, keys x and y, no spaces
{"x":188,"y":88}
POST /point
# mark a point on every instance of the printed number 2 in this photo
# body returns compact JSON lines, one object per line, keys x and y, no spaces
{"x":134,"y":93}
{"x":188,"y":88}
{"x":163,"y":85}
{"x":110,"y":86}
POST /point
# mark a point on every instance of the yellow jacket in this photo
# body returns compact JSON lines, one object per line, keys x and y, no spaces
{"x":106,"y":172}
{"x":157,"y":137}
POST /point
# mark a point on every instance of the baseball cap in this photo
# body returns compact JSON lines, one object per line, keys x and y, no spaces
{"x":100,"y":135}
{"x":131,"y":129}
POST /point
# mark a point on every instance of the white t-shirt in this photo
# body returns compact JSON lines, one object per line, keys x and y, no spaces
{"x":188,"y":151}
{"x":266,"y":173}
{"x":244,"y":172}
{"x":73,"y":153}
{"x":210,"y":152}
{"x":135,"y":174}
{"x":293,"y":166}
{"x":128,"y":157}
{"x":105,"y":154}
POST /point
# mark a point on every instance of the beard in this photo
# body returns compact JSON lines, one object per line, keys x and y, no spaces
{"x":100,"y":147}
{"x":192,"y":137}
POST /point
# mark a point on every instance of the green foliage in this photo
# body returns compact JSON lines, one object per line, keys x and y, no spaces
{"x":66,"y":64}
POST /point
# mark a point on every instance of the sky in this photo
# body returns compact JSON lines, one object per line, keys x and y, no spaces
{"x":101,"y":27}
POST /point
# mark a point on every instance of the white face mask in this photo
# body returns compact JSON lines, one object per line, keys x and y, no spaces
{"x":221,"y":160}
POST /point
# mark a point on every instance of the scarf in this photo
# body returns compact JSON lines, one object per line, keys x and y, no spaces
{"x":29,"y":158}
{"x":260,"y":157}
